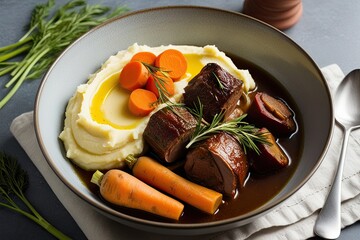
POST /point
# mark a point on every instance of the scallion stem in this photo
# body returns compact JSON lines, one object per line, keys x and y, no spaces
{"x":15,"y":45}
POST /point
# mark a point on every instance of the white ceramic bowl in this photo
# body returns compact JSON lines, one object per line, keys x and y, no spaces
{"x":230,"y":32}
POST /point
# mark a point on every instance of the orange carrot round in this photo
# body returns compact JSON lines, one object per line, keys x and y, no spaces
{"x":162,"y":82}
{"x":145,"y":57}
{"x":141,"y":102}
{"x":161,"y":178}
{"x":123,"y":189}
{"x":134,"y":75}
{"x":173,"y":61}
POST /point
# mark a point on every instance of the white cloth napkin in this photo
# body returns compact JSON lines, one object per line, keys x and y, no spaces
{"x":294,"y":219}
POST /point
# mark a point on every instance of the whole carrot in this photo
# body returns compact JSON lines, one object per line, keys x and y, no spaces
{"x":160,"y":177}
{"x":123,"y":189}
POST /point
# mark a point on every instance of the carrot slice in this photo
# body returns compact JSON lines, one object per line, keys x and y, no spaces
{"x":162,"y":82}
{"x":145,"y":57}
{"x":123,"y":189}
{"x":134,"y":75}
{"x":158,"y":176}
{"x":173,"y":61}
{"x":141,"y":102}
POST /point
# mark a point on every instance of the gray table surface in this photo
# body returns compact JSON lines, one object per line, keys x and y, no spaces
{"x":328,"y":31}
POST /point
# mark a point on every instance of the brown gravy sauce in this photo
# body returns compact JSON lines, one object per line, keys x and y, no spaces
{"x":258,"y":189}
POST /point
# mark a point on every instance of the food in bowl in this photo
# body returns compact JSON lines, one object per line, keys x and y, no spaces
{"x":101,"y":131}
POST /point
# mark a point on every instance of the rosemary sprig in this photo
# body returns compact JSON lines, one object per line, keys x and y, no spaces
{"x":48,"y":35}
{"x":221,"y":86}
{"x":247,"y":135}
{"x":164,"y":97}
{"x":158,"y":74}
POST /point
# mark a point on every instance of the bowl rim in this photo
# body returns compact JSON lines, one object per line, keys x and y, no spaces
{"x":112,"y":213}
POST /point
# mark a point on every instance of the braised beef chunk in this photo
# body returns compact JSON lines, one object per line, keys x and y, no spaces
{"x":216,"y":89}
{"x":168,"y":131}
{"x":218,"y":163}
{"x":274,"y":114}
{"x":272,"y":157}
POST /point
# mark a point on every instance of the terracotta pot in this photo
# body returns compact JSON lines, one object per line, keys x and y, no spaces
{"x":281,"y":14}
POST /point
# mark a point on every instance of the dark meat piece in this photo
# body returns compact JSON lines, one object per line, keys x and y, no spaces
{"x":218,"y":163}
{"x":168,"y":132}
{"x":216,"y":89}
{"x":271,"y":158}
{"x":274,"y":114}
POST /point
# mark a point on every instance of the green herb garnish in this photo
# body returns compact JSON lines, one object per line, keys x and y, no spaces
{"x":47,"y":37}
{"x":247,"y":135}
{"x":164,"y":97}
{"x":221,"y":86}
{"x":13,"y":182}
{"x":159,"y":74}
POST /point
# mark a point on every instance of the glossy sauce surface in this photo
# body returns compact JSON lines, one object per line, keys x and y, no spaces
{"x":258,"y":189}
